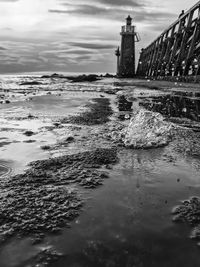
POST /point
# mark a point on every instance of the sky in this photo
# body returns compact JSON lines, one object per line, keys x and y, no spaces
{"x":76,"y":35}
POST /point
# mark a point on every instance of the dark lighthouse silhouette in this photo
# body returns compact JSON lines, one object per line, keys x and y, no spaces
{"x":126,"y":55}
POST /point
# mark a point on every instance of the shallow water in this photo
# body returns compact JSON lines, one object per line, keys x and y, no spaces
{"x":176,"y":104}
{"x":45,"y":109}
{"x":125,"y":222}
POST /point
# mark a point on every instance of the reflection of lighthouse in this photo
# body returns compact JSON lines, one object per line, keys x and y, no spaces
{"x":126,"y":58}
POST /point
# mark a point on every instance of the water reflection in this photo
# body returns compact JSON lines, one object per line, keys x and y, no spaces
{"x":177,"y":104}
{"x":124,"y":107}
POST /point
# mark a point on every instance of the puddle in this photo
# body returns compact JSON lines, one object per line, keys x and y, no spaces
{"x":127,"y":221}
{"x":15,"y":120}
{"x":177,"y":104}
{"x":124,"y":107}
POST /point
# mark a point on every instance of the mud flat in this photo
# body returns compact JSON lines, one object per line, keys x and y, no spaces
{"x":120,"y":223}
{"x":98,"y":112}
{"x":38,"y":201}
{"x":46,"y":197}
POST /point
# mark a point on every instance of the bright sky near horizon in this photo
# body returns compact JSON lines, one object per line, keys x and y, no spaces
{"x":76,"y":35}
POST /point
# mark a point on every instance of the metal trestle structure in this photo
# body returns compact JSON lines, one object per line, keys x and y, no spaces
{"x":176,"y":52}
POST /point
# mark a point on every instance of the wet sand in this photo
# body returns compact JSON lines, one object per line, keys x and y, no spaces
{"x":126,"y":221}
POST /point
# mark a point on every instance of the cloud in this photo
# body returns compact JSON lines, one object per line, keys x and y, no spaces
{"x":133,"y":3}
{"x":116,"y":14}
{"x":109,"y":9}
{"x":97,"y":46}
{"x":79,"y":35}
{"x":9,"y":1}
{"x":124,"y":3}
{"x":81,"y":9}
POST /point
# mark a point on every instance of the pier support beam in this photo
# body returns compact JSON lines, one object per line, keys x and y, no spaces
{"x":176,"y":52}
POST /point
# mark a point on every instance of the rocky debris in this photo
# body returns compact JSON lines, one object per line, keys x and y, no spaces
{"x":28,"y":133}
{"x":57,"y":124}
{"x":29,"y":141}
{"x":54,"y":75}
{"x":84,"y":78}
{"x":108,"y":75}
{"x":62,"y":143}
{"x":98,"y":113}
{"x":23,"y":117}
{"x":31,"y":83}
{"x":66,"y":141}
{"x":46,"y":147}
{"x":30,"y":117}
{"x":110,"y":91}
{"x":69,"y":139}
{"x":80,"y":78}
{"x":145,"y":130}
{"x":189,"y":212}
{"x":40,"y":201}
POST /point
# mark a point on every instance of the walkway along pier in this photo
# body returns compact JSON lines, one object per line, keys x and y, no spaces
{"x":175,"y":54}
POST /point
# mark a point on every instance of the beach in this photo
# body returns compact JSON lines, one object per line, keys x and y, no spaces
{"x":76,"y":192}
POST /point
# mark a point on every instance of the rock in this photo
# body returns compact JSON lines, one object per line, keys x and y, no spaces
{"x":111,"y":91}
{"x":54,"y":75}
{"x":31,"y":83}
{"x":29,"y":141}
{"x":70,"y":139}
{"x":189,"y":212}
{"x":56,"y":124}
{"x":84,"y":78}
{"x":28,"y":133}
{"x":108,"y":75}
{"x":30,"y":117}
{"x":45,"y":147}
{"x":146,"y":130}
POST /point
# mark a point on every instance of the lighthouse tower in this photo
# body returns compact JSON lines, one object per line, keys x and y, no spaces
{"x":126,"y":68}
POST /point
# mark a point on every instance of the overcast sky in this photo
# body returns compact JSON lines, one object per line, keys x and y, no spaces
{"x":76,"y":35}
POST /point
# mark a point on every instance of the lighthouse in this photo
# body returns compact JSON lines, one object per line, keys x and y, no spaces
{"x":126,"y":57}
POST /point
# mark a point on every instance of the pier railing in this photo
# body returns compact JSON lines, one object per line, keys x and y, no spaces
{"x":176,"y":52}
